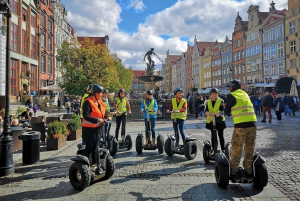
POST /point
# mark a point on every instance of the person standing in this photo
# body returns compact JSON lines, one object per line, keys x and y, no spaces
{"x":244,"y":119}
{"x":149,"y":104}
{"x":215,"y":106}
{"x":122,"y":107}
{"x":267,"y":104}
{"x":295,"y":106}
{"x":35,"y":109}
{"x":179,"y":108}
{"x":278,"y":107}
{"x":109,"y":111}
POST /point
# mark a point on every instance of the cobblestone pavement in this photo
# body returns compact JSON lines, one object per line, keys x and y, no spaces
{"x":150,"y":176}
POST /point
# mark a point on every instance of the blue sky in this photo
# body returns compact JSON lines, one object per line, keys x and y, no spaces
{"x":134,"y":26}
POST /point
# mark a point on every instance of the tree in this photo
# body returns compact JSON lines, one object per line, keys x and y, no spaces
{"x":89,"y":64}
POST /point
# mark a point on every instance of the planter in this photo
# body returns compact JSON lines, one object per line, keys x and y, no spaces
{"x":56,"y":144}
{"x":75,"y":135}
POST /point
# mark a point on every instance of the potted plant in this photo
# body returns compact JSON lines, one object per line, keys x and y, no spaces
{"x":56,"y":135}
{"x":74,"y":128}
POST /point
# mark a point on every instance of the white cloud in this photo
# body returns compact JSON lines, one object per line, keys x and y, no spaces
{"x":208,"y":20}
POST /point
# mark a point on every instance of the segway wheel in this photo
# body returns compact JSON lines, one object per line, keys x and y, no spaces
{"x":206,"y":149}
{"x":190,"y":150}
{"x":160,"y":144}
{"x":168,"y":147}
{"x":139,"y":144}
{"x":79,"y":175}
{"x":114,"y":148}
{"x":128,"y":140}
{"x":221,"y":174}
{"x":110,"y":167}
{"x":261,"y":176}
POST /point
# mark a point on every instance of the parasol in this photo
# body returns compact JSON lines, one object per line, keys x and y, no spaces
{"x":293,"y":90}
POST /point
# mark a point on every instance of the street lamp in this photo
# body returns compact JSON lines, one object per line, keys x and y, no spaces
{"x":7,"y":166}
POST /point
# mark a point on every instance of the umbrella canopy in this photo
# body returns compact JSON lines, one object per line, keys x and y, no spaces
{"x":293,"y":90}
{"x":54,"y":87}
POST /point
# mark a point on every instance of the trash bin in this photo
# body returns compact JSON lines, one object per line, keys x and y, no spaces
{"x":31,"y":147}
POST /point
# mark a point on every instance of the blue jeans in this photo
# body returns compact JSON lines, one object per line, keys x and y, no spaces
{"x":106,"y":132}
{"x":287,"y":110}
{"x":152,"y":123}
{"x":201,"y":112}
{"x":179,"y":123}
{"x":257,"y":109}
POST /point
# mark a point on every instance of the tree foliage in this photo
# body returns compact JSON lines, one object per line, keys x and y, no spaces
{"x":283,"y":85}
{"x":91,"y":63}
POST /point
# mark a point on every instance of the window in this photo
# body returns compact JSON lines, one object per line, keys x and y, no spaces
{"x":43,"y":19}
{"x":25,"y":42}
{"x":298,"y":9}
{"x":49,"y":65}
{"x":252,"y":17}
{"x":14,"y":37}
{"x":293,"y":63}
{"x":24,"y":14}
{"x":50,"y":25}
{"x":32,"y":77}
{"x":243,"y":69}
{"x":13,"y":79}
{"x":266,"y":53}
{"x":266,"y":37}
{"x":280,"y":50}
{"x":243,"y":54}
{"x":33,"y":20}
{"x":292,"y":27}
{"x":273,"y":51}
{"x":238,"y":55}
{"x":14,"y":7}
{"x":279,"y":31}
{"x":267,"y":71}
{"x":293,"y":12}
{"x":253,"y":65}
{"x":234,"y":57}
{"x":43,"y":83}
{"x":43,"y":63}
{"x":33,"y":46}
{"x":258,"y":66}
{"x":43,"y":41}
{"x":239,"y":70}
{"x":248,"y":66}
{"x":292,"y":46}
{"x":248,"y":52}
{"x":253,"y":50}
{"x":281,"y":68}
{"x":299,"y":24}
{"x":273,"y":69}
{"x":258,"y":49}
{"x":49,"y":43}
{"x":24,"y":69}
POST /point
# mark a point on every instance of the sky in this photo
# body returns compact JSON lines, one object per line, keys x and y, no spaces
{"x":135,"y":26}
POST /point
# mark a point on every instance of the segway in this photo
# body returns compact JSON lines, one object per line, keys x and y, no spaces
{"x":189,"y":147}
{"x":222,"y":172}
{"x":111,"y":141}
{"x":82,"y":173}
{"x":139,"y":142}
{"x":125,"y":143}
{"x":210,"y":154}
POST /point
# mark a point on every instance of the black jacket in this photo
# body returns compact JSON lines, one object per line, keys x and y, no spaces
{"x":267,"y":101}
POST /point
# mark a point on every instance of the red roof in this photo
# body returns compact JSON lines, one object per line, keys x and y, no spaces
{"x":174,"y":58}
{"x":138,"y":72}
{"x":203,"y":45}
{"x":97,"y":40}
{"x":263,"y":15}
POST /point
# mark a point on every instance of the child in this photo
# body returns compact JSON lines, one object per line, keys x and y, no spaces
{"x":35,"y":109}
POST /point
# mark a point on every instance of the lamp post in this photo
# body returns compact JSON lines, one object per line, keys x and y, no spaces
{"x":7,"y":166}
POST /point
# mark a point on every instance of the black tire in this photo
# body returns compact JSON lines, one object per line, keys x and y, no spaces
{"x":129,"y":141}
{"x":160,"y":144}
{"x":139,"y":144}
{"x":110,"y":167}
{"x":261,"y":176}
{"x":114,"y":147}
{"x":206,"y":149}
{"x":190,"y":150}
{"x":221,"y":174}
{"x":79,"y":175}
{"x":168,"y":147}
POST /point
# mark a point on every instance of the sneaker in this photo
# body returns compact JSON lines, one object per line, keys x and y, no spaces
{"x":263,"y":121}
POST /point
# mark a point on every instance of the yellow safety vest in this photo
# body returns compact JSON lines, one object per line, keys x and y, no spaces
{"x":243,"y":110}
{"x":121,"y":105}
{"x":82,"y":101}
{"x":107,"y":106}
{"x":150,"y":108}
{"x":181,"y":115}
{"x":215,"y":109}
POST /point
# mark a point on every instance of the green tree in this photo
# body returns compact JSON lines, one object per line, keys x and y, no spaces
{"x":91,"y":63}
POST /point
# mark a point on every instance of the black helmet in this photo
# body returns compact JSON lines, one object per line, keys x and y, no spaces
{"x":214,"y":90}
{"x":97,"y":88}
{"x":89,"y":87}
{"x":235,"y":84}
{"x":176,"y":90}
{"x":149,"y":91}
{"x":120,"y":91}
{"x":105,"y":90}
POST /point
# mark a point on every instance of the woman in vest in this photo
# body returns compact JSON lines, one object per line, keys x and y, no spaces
{"x":109,"y":110}
{"x":214,"y":105}
{"x":150,"y":105}
{"x":179,"y":108}
{"x":122,"y":106}
{"x":93,"y":116}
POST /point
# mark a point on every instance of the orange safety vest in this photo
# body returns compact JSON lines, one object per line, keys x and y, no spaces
{"x":96,"y":113}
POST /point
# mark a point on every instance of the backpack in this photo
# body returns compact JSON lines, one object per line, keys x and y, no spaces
{"x":279,"y":107}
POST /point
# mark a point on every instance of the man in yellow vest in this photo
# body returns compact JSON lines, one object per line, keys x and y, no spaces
{"x":214,"y":105}
{"x":109,"y":110}
{"x":149,"y":104}
{"x":179,"y":108}
{"x":244,"y":119}
{"x":122,"y":106}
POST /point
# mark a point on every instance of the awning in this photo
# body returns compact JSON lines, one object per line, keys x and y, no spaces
{"x":54,"y":87}
{"x":270,"y":85}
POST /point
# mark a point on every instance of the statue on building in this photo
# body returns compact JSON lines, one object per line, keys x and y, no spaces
{"x":151,"y":63}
